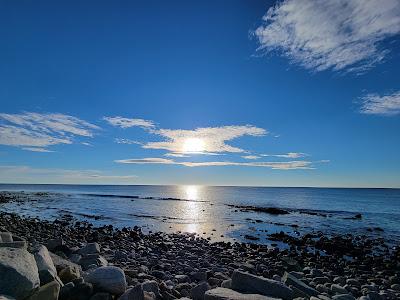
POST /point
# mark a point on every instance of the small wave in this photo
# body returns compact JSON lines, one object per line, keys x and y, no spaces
{"x":142,"y":198}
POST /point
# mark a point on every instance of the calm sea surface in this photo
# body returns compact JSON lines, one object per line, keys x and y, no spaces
{"x":205,"y":210}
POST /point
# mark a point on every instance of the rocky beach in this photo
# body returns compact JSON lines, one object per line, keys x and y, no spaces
{"x":68,"y":259}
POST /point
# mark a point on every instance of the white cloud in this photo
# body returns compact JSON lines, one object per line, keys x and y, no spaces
{"x":20,"y":174}
{"x":172,"y":154}
{"x":214,"y":138}
{"x":287,"y":155}
{"x":41,"y":130}
{"x":127,"y":123}
{"x":127,"y":141}
{"x":290,"y":165}
{"x":251,"y":157}
{"x":374,"y":104}
{"x":325,"y":34}
{"x":35,"y":149}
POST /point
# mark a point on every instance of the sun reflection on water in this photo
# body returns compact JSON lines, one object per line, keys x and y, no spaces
{"x":192,"y":209}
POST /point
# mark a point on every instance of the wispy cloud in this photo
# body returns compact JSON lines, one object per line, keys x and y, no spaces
{"x":287,"y":155}
{"x":41,"y":130}
{"x":289,"y":165}
{"x":127,"y":123}
{"x":34,"y":149}
{"x":214,"y":138}
{"x":127,"y":141}
{"x":251,"y":157}
{"x":386,"y":105}
{"x":11,"y":174}
{"x":339,"y":35}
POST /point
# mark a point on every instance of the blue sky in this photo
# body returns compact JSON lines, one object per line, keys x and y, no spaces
{"x":209,"y":92}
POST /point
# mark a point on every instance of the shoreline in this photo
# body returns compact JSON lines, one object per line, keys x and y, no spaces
{"x":369,"y":264}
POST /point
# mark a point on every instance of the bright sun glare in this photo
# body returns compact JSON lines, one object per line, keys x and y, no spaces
{"x":193,"y":145}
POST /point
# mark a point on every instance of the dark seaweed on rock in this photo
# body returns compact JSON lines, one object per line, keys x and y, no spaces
{"x":268,"y":210}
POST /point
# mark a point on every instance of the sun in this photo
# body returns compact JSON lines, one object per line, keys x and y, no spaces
{"x":193,"y":145}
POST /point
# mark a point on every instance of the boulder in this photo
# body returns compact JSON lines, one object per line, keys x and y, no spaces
{"x":19,"y":273}
{"x":228,"y":294}
{"x":49,"y":291}
{"x":6,"y":237}
{"x":248,"y":283}
{"x":54,"y":243}
{"x":8,"y":240}
{"x":81,"y":291}
{"x":61,"y":263}
{"x":92,"y":259}
{"x":135,"y":293}
{"x":108,"y":279}
{"x":197,"y":293}
{"x":69,"y":274}
{"x":289,"y":279}
{"x":5,"y":297}
{"x":151,"y":286}
{"x":47,"y":270}
{"x":90,"y":248}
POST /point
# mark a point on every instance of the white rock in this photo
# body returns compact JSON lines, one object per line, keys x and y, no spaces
{"x":19,"y":273}
{"x":228,"y":294}
{"x":108,"y":279}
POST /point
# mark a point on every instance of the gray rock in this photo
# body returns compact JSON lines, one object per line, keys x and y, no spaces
{"x":61,"y":263}
{"x":6,"y":237}
{"x":135,"y":293}
{"x":343,"y":297}
{"x":8,"y":240}
{"x":108,"y":279}
{"x":199,"y":276}
{"x":182,"y":278}
{"x":47,"y":270}
{"x":228,"y":294}
{"x":151,"y":286}
{"x":5,"y":297}
{"x":90,"y":248}
{"x":338,"y":289}
{"x":92,"y":259}
{"x":54,"y":243}
{"x":248,"y":283}
{"x":49,"y":291}
{"x":227,"y":284}
{"x":197,"y":293}
{"x":19,"y":273}
{"x":289,"y":279}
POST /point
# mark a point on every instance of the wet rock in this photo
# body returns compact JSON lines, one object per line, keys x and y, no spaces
{"x":49,"y":291}
{"x":108,"y":279}
{"x":19,"y":273}
{"x":228,"y":294}
{"x":248,"y":283}
{"x":289,"y":280}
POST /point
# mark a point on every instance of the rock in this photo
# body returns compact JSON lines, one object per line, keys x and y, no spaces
{"x":135,"y":293}
{"x":108,"y":279}
{"x":49,"y":291}
{"x":4,"y":297}
{"x":54,"y":243}
{"x":395,"y":287}
{"x":343,"y":297}
{"x":61,"y":263}
{"x":149,"y":296}
{"x":151,"y":286}
{"x":339,"y":280}
{"x":289,"y":279}
{"x":248,"y":283}
{"x":92,"y":259}
{"x":81,"y":291}
{"x":338,"y":289}
{"x":90,"y":248}
{"x":199,"y":276}
{"x":65,"y":291}
{"x":228,"y":294}
{"x":101,"y":296}
{"x":47,"y":270}
{"x":197,"y":293}
{"x":182,"y":278}
{"x":68,"y":274}
{"x":374,"y":296}
{"x":19,"y":273}
{"x":6,"y":237}
{"x":227,"y":284}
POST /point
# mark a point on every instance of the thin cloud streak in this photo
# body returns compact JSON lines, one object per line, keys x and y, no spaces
{"x":287,"y":155}
{"x":290,"y":165}
{"x":337,"y":35}
{"x":387,"y":105}
{"x":127,"y":122}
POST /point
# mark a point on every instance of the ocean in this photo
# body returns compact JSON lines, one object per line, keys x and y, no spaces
{"x":210,"y":211}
